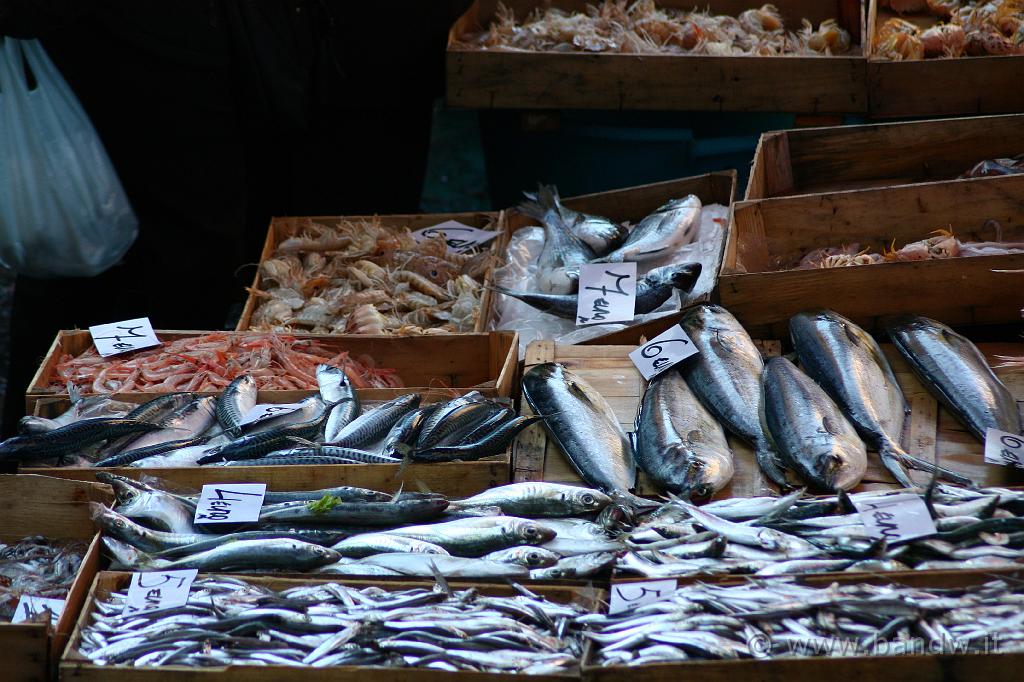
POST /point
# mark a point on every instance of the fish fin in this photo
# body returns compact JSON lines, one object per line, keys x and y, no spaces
{"x":780,"y":507}
{"x":771,"y":466}
{"x":398,"y":493}
{"x":918,"y":464}
{"x":830,"y":427}
{"x":441,"y":584}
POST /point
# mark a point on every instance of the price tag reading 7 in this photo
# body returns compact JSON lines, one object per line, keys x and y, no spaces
{"x":230,"y":503}
{"x":627,"y":596}
{"x":122,"y":337}
{"x":1004,"y":449}
{"x":664,"y":351}
{"x":607,"y":293}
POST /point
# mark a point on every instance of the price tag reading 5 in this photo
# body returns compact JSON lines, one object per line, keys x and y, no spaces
{"x":627,"y":596}
{"x":230,"y":503}
{"x":664,"y":351}
{"x":1004,"y":449}
{"x":607,"y":293}
{"x":158,"y":590}
{"x":123,"y":337}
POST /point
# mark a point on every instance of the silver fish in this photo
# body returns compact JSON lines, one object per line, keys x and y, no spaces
{"x":597,"y":232}
{"x":371,"y":426}
{"x":530,"y":557}
{"x":236,"y":401}
{"x":580,"y":566}
{"x":537,"y":499}
{"x":957,"y":374}
{"x":583,"y":424}
{"x":426,"y":565}
{"x":334,"y":384}
{"x":672,"y":225}
{"x":369,"y":544}
{"x":809,"y":431}
{"x":251,"y":554}
{"x":679,"y":445}
{"x":188,"y":422}
{"x":562,"y":249}
{"x":475,"y":537}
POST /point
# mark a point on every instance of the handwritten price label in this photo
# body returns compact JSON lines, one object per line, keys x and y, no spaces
{"x":123,"y":337}
{"x":230,"y":503}
{"x":664,"y":351}
{"x":1004,"y":449}
{"x":607,"y":293}
{"x":158,"y":590}
{"x":261,"y":412}
{"x":29,"y":607}
{"x":628,"y":596}
{"x":895,"y":518}
{"x":459,"y":237}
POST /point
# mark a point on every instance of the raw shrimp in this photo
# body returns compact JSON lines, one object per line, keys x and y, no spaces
{"x":944,"y":40}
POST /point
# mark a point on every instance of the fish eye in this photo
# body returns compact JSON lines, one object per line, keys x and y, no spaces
{"x":433,"y":273}
{"x":588,"y":499}
{"x":530,"y":530}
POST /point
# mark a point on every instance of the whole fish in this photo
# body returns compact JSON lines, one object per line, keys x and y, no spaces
{"x":343,"y":413}
{"x":70,"y":439}
{"x":81,"y":408}
{"x":188,"y":422}
{"x":809,"y":431}
{"x":345,"y":493}
{"x":251,"y":554}
{"x":562,"y":249}
{"x":844,"y":360}
{"x":370,"y":544}
{"x":146,"y":539}
{"x":402,"y":436}
{"x":574,"y":567}
{"x":679,"y":444}
{"x":493,"y":443}
{"x":454,"y":424}
{"x":583,"y":424}
{"x":334,"y":384}
{"x":236,"y":401}
{"x":956,"y":373}
{"x":725,"y":375}
{"x":252,"y":446}
{"x":177,"y":458}
{"x":538,"y":499}
{"x":428,"y":565}
{"x":129,"y":457}
{"x":475,"y":537}
{"x":530,"y":557}
{"x":599,"y":233}
{"x":374,"y":425}
{"x":671,"y":226}
{"x":330,"y":510}
{"x":154,"y":508}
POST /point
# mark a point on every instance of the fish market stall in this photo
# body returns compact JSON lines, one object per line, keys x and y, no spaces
{"x":821,"y":160}
{"x":48,"y":550}
{"x":917,"y":49}
{"x":359,"y":631}
{"x":937,"y":249}
{"x":728,"y":55}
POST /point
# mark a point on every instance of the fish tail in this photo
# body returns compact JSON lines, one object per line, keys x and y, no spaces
{"x":896,"y":459}
{"x":539,"y":203}
{"x":768,"y":460}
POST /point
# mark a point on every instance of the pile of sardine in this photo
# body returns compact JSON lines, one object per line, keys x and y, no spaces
{"x":810,"y":424}
{"x":777,"y":618}
{"x":233,"y":622}
{"x":330,"y":427}
{"x":360,"y":532}
{"x":38,"y":567}
{"x":771,"y":536}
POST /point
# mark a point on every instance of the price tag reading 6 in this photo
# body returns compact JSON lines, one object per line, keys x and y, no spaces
{"x":459,"y":238}
{"x":627,"y":596}
{"x":664,"y":351}
{"x":1004,"y":449}
{"x":230,"y":503}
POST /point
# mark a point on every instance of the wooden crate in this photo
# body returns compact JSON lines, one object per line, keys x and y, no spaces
{"x":919,"y":668}
{"x":767,"y":232}
{"x":59,"y":510}
{"x":815,"y":160}
{"x":484,"y":79}
{"x":630,"y":204}
{"x":75,"y":666}
{"x":938,"y":87}
{"x":930,"y":430}
{"x":487,"y":361}
{"x":283,"y":227}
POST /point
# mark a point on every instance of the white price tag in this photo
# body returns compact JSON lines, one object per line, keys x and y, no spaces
{"x":261,"y":412}
{"x":896,"y":518}
{"x":29,"y":606}
{"x":459,"y":237}
{"x":628,"y":596}
{"x":230,"y":502}
{"x":607,"y":293}
{"x":158,"y":590}
{"x":662,"y":352}
{"x":123,"y":337}
{"x":1004,"y":448}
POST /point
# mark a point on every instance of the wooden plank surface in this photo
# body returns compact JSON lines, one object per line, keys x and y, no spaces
{"x":930,"y":430}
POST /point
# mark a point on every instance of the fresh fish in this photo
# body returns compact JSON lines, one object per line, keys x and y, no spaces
{"x":679,"y":445}
{"x":370,"y":544}
{"x":290,"y":460}
{"x":330,"y":510}
{"x":372,"y":426}
{"x":251,"y":554}
{"x":305,"y":422}
{"x":82,"y":408}
{"x":809,"y":431}
{"x":178,"y":458}
{"x":538,"y":499}
{"x":145,"y":539}
{"x":70,"y":439}
{"x":334,"y":384}
{"x":599,"y":233}
{"x":454,"y":424}
{"x":530,"y":557}
{"x":129,"y":457}
{"x":562,"y":249}
{"x":186,"y":423}
{"x":235,"y":402}
{"x":493,"y":443}
{"x":343,"y":413}
{"x":575,"y":567}
{"x":161,"y":407}
{"x":428,"y":565}
{"x":583,"y":424}
{"x":671,"y":226}
{"x":475,"y":537}
{"x":402,"y":436}
{"x":725,"y":375}
{"x":957,"y":374}
{"x":844,"y":360}
{"x":252,"y":446}
{"x":154,"y":508}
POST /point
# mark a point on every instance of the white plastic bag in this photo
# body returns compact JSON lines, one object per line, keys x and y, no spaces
{"x":63,"y":212}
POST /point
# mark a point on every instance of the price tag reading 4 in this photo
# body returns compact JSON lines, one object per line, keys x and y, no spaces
{"x":459,"y":237}
{"x":664,"y":351}
{"x":628,"y":596}
{"x":230,"y":503}
{"x":607,"y":293}
{"x":261,"y":412}
{"x":29,"y":607}
{"x":158,"y":590}
{"x":122,"y":337}
{"x":1004,"y":449}
{"x":896,"y":518}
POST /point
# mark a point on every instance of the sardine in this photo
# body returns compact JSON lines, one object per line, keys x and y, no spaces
{"x":583,"y":424}
{"x":538,"y":499}
{"x":957,"y":374}
{"x":725,"y":375}
{"x":671,"y":226}
{"x":679,"y":444}
{"x":809,"y":431}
